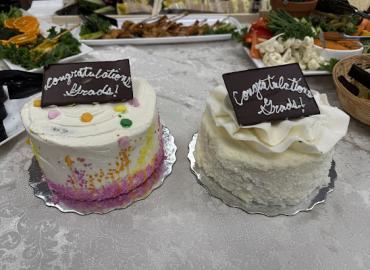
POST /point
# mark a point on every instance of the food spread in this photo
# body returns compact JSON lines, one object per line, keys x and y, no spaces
{"x":279,"y":38}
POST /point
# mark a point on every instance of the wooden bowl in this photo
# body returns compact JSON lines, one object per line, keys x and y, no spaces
{"x":358,"y":108}
{"x":296,"y":9}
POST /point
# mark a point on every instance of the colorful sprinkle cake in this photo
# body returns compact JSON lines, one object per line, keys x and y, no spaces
{"x":98,"y":151}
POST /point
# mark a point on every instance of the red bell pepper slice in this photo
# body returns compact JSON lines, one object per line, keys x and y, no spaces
{"x":255,"y":53}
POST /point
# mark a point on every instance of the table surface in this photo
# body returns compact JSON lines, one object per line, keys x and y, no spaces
{"x":179,"y":226}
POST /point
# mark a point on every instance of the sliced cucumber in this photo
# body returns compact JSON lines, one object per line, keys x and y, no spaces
{"x":95,"y":35}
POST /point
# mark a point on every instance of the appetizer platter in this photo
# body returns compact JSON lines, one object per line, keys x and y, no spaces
{"x":157,"y":30}
{"x":28,"y":44}
{"x":316,"y":42}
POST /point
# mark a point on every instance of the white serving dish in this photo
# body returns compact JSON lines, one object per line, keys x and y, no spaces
{"x":188,"y":20}
{"x":260,"y":64}
{"x":44,"y":26}
{"x":338,"y":54}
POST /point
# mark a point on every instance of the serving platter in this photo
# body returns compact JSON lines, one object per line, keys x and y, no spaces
{"x":188,"y":20}
{"x":259,"y":64}
{"x":44,"y":26}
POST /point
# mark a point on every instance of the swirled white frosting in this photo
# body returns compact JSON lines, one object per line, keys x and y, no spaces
{"x":105,"y":126}
{"x":314,"y":134}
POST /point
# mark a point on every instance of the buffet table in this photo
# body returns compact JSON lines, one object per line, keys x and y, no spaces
{"x":179,"y":226}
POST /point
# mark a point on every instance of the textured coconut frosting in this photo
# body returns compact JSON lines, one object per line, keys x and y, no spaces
{"x":254,"y":177}
{"x":314,"y":134}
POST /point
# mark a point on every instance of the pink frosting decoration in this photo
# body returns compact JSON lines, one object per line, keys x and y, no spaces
{"x":110,"y":191}
{"x":121,"y":201}
{"x":134,"y":102}
{"x":123,"y":142}
{"x":52,"y":114}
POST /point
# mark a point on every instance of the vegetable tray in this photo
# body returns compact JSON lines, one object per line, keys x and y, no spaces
{"x":188,"y":20}
{"x":260,"y":64}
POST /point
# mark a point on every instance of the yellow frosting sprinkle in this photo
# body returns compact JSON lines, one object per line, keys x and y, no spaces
{"x":120,"y":108}
{"x":37,"y":103}
{"x":28,"y":141}
{"x":68,"y":161}
{"x":86,"y":117}
{"x":149,"y":142}
{"x":36,"y":151}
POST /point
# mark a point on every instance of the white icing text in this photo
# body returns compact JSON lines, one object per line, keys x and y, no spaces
{"x":77,"y":90}
{"x":268,"y":108}
{"x":87,"y":72}
{"x":267,"y":84}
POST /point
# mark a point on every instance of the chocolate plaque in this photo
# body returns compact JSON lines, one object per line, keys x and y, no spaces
{"x":268,"y":94}
{"x":86,"y":83}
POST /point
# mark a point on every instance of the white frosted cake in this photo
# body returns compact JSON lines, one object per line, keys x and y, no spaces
{"x":279,"y":163}
{"x":96,"y":151}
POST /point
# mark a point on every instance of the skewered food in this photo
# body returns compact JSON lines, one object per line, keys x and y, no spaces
{"x":162,"y":27}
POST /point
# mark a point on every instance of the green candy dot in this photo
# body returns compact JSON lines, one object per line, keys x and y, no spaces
{"x":126,"y":123}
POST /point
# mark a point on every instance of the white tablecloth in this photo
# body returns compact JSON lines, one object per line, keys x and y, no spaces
{"x":179,"y":226}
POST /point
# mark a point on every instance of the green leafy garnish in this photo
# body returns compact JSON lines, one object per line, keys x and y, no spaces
{"x":94,"y":24}
{"x":281,"y":22}
{"x":13,"y":12}
{"x":52,"y":32}
{"x":329,"y":65}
